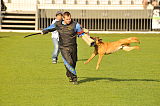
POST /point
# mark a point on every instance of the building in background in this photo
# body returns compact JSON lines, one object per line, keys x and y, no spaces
{"x":95,"y":15}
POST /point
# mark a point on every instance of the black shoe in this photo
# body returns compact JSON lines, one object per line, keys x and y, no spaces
{"x":70,"y":79}
{"x":75,"y":83}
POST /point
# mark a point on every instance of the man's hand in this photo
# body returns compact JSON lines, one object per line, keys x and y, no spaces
{"x":44,"y":32}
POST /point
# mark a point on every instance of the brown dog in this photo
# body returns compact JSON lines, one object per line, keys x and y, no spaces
{"x":102,"y":48}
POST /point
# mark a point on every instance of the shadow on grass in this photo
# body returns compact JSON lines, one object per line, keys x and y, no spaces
{"x":77,"y":60}
{"x":4,"y":36}
{"x":82,"y":59}
{"x":89,"y":79}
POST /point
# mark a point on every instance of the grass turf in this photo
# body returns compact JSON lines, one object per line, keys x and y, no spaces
{"x":28,"y":78}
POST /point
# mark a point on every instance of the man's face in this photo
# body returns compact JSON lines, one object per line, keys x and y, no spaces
{"x":59,"y":17}
{"x":154,"y":3}
{"x":67,"y":19}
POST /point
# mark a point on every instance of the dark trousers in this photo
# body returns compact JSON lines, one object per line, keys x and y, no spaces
{"x":70,"y":55}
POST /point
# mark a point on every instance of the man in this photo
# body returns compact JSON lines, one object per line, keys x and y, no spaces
{"x":55,"y":38}
{"x":152,"y":2}
{"x":3,"y":6}
{"x":68,"y":29}
{"x":155,"y":3}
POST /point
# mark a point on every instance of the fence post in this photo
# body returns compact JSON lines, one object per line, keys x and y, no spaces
{"x":36,"y":18}
{"x":0,"y":16}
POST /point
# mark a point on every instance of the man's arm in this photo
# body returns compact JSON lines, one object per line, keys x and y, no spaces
{"x":51,"y":28}
{"x":79,"y":30}
{"x":84,"y":35}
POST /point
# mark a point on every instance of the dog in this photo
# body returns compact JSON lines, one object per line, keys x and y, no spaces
{"x":102,"y":48}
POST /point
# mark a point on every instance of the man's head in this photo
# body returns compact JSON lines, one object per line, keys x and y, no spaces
{"x":59,"y":15}
{"x":154,"y":3}
{"x":67,"y":17}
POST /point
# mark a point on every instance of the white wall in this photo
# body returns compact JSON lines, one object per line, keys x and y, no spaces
{"x":21,"y":5}
{"x":24,"y":1}
{"x":30,"y":5}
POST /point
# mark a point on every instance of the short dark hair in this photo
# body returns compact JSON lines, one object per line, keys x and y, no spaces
{"x":66,"y":14}
{"x":59,"y":13}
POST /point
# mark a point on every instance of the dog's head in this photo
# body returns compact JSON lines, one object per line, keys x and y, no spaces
{"x":97,"y":40}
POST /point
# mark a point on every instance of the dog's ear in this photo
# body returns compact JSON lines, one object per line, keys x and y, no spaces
{"x":94,"y":38}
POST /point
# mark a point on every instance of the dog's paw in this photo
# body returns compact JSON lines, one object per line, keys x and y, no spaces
{"x":97,"y":67}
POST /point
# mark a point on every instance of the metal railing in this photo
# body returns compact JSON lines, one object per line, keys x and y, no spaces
{"x":103,"y":20}
{"x":100,"y":15}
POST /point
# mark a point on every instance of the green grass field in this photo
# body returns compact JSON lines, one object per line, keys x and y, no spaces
{"x":28,"y":78}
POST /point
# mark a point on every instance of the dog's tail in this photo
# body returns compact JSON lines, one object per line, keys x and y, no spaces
{"x":129,"y":40}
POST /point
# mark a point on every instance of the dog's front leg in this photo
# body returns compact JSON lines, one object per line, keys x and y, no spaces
{"x":92,"y":56}
{"x":99,"y":60}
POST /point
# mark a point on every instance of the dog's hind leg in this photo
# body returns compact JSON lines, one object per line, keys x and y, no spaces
{"x":99,"y":60}
{"x":128,"y":48}
{"x":92,"y":56}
